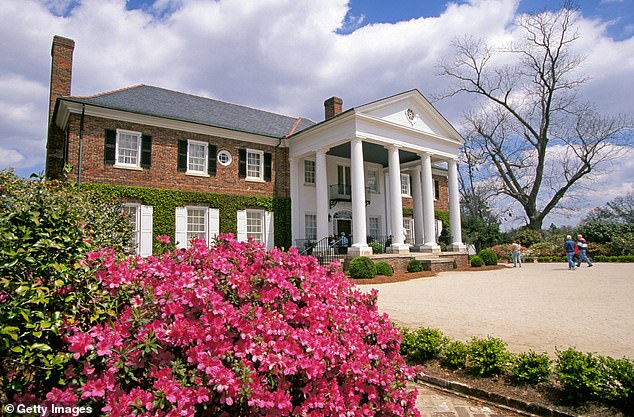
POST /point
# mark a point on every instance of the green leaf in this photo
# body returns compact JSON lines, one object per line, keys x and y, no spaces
{"x":41,"y":346}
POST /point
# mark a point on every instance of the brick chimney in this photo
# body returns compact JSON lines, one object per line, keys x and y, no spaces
{"x":61,"y":74}
{"x":332,"y":106}
{"x":61,"y":70}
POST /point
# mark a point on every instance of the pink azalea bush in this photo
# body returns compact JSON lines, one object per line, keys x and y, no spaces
{"x":235,"y":330}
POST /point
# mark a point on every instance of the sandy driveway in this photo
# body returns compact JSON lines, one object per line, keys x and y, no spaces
{"x":540,"y":306}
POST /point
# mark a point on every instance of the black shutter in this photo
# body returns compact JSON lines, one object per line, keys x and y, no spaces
{"x":146,"y":151}
{"x":242,"y":163}
{"x":267,"y":166}
{"x":182,"y":155}
{"x":211,"y":159}
{"x":110,"y":144}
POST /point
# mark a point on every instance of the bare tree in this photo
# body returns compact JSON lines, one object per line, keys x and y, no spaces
{"x":531,"y":125}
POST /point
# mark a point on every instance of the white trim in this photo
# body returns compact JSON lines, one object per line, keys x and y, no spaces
{"x":224,"y":151}
{"x":139,"y":137}
{"x":310,"y":184}
{"x":241,"y":225}
{"x":180,"y":235}
{"x":409,"y":186}
{"x":136,"y":225}
{"x":202,"y":172}
{"x":260,"y":178}
{"x":146,"y":230}
{"x":269,"y":230}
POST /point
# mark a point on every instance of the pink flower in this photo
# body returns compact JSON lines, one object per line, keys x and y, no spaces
{"x":80,"y":344}
{"x":164,"y":239}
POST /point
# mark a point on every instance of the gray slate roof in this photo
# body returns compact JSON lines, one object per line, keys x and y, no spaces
{"x":155,"y":101}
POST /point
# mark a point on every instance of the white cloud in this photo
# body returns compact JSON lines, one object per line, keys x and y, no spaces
{"x":279,"y":55}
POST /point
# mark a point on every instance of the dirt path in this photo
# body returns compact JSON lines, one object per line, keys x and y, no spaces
{"x":540,"y":306}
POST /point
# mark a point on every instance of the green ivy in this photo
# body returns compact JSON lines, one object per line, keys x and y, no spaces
{"x":442,"y":215}
{"x":165,"y":203}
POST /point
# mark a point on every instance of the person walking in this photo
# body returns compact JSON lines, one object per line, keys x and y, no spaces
{"x":517,"y":253}
{"x":343,"y":244}
{"x":569,"y":248}
{"x":583,"y":251}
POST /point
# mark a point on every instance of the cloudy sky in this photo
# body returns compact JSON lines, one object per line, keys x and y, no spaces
{"x":285,"y":56}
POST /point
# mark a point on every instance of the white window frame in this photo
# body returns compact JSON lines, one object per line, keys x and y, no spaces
{"x":306,"y":172}
{"x":409,"y":230}
{"x":260,"y":168}
{"x":260,"y":215}
{"x":136,"y":224}
{"x":224,"y":152}
{"x":405,"y":185}
{"x":205,"y":145}
{"x":312,"y":235}
{"x":436,"y":187}
{"x":138,"y":150}
{"x":206,"y":222}
{"x":376,"y":188}
{"x":378,"y":228}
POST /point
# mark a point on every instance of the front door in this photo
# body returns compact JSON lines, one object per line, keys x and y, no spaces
{"x":344,"y":225}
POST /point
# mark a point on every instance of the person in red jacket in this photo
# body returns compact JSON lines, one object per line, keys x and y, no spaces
{"x":582,"y":245}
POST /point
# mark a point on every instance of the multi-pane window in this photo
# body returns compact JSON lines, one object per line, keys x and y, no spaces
{"x":224,"y":157}
{"x":131,"y":212}
{"x":373,"y":181}
{"x":408,"y":230}
{"x":128,"y":148}
{"x":255,"y":162}
{"x":255,"y":226}
{"x":374,"y":226}
{"x":196,"y":157}
{"x":196,"y":223}
{"x":310,"y":221}
{"x":405,"y":188}
{"x":309,"y":172}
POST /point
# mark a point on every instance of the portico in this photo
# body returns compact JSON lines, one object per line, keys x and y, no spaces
{"x":367,"y":161}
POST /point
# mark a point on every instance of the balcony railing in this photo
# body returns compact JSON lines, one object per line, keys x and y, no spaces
{"x":343,"y":192}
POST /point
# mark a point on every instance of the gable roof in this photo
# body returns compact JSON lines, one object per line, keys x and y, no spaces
{"x":155,"y":101}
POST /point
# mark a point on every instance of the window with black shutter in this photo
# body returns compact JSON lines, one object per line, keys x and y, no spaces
{"x":267,"y":166}
{"x":182,"y":155}
{"x":110,"y":146}
{"x":242,"y":163}
{"x":211,"y":159}
{"x":146,"y":151}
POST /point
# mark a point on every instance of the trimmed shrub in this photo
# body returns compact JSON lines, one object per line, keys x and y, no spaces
{"x":46,"y":228}
{"x":236,"y":330}
{"x":530,"y":368}
{"x":414,"y":265}
{"x":476,"y":261}
{"x":579,"y":374}
{"x":362,"y":267}
{"x":487,"y":357}
{"x":422,"y":344}
{"x":383,"y":268}
{"x":488,"y":257}
{"x":454,"y":354}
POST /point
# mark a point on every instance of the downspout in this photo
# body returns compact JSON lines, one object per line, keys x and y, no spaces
{"x":81,"y":145}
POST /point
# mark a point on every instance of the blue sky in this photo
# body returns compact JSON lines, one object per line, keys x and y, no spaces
{"x":287,"y":56}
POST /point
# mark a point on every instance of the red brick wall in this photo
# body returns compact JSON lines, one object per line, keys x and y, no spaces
{"x":163,"y":172}
{"x":443,"y":201}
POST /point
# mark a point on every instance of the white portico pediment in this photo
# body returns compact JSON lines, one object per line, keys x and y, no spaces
{"x":410,"y":110}
{"x":407,"y":119}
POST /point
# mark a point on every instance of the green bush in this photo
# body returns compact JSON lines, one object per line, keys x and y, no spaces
{"x":528,"y":237}
{"x":586,"y":376}
{"x":579,"y":374}
{"x":422,"y":344}
{"x":530,"y":368}
{"x":454,"y":354}
{"x":46,"y":228}
{"x":622,"y":258}
{"x":488,"y":257}
{"x":376,"y":247}
{"x":383,"y":268}
{"x":414,"y":265}
{"x":529,"y":260}
{"x":486,"y":357}
{"x":362,"y":267}
{"x":476,"y":261}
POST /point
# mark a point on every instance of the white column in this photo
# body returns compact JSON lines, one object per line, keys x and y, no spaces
{"x":428,"y":206}
{"x":396,"y":202}
{"x":454,"y":207}
{"x":388,"y":213}
{"x":295,"y":204}
{"x":417,"y":194}
{"x":321,"y":193}
{"x":359,"y":235}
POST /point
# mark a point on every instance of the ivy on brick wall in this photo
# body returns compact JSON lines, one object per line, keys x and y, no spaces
{"x":166,"y":201}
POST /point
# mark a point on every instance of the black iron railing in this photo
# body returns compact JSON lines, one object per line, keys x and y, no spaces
{"x":325,"y":250}
{"x":343,"y":192}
